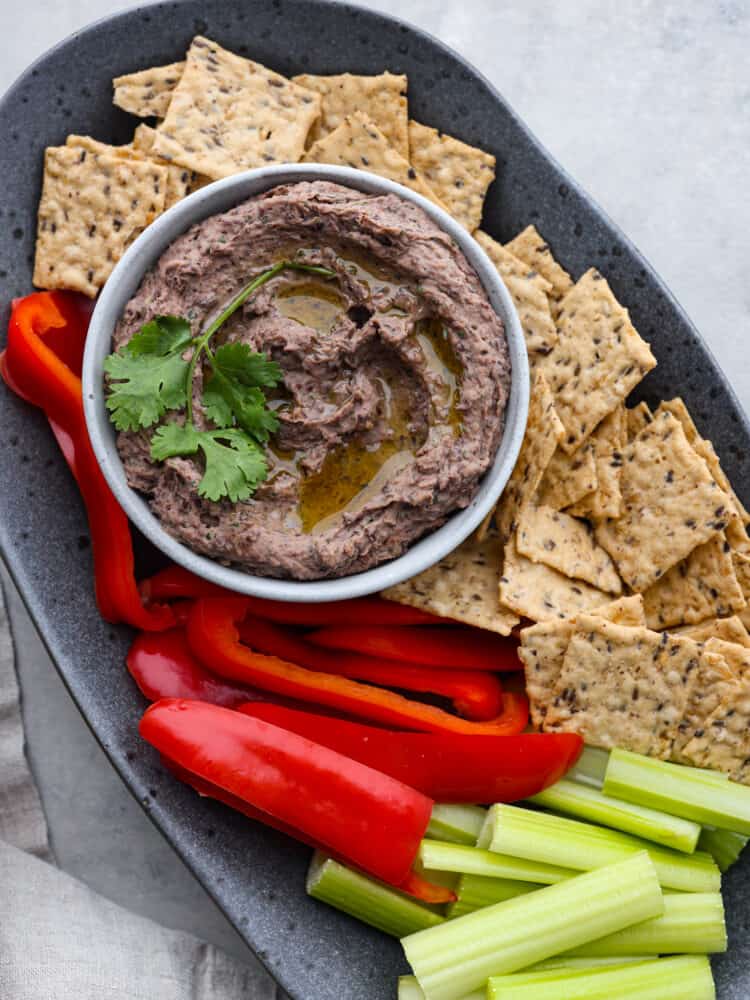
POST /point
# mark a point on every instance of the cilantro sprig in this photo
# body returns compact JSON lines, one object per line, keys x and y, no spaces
{"x":154,"y":373}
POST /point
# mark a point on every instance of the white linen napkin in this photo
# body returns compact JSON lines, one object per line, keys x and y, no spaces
{"x":60,"y":939}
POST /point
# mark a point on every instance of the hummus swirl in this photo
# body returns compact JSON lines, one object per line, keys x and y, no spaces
{"x":396,"y":379}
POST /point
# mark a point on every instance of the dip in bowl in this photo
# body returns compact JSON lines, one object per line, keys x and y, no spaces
{"x":401,"y":394}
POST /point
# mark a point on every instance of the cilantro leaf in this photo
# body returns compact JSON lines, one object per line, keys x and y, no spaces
{"x":161,"y":336}
{"x":225,"y":398}
{"x":237,"y":362}
{"x":143,"y":387}
{"x":235,"y":464}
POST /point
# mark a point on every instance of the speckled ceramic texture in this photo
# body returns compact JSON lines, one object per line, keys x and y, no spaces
{"x":254,"y":874}
{"x":126,"y":278}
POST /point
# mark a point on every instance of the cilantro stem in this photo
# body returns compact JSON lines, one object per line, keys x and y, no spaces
{"x":201,"y":342}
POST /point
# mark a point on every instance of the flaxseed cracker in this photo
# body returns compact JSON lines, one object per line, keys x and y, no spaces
{"x":671,"y":505}
{"x":568,"y":478}
{"x":229,"y":114}
{"x":92,"y":207}
{"x":148,"y":92}
{"x":704,"y":585}
{"x":735,"y":654}
{"x":459,"y":174}
{"x":462,"y":586}
{"x":543,"y":646}
{"x":381,"y":99}
{"x":530,"y":247}
{"x":729,"y":629}
{"x":538,"y":592}
{"x":180,"y":181}
{"x":528,"y":289}
{"x":724,"y":742}
{"x":557,"y":540}
{"x":543,"y":433}
{"x":598,"y":358}
{"x":741,"y":564}
{"x":714,"y":683}
{"x":638,"y":417}
{"x":607,"y":444}
{"x":360,"y":144}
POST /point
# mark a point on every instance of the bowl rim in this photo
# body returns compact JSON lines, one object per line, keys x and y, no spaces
{"x":126,"y":277}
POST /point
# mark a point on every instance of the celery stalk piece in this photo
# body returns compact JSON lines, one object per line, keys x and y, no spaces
{"x":457,"y":824}
{"x":590,"y":804}
{"x":569,"y":843}
{"x":681,"y":791}
{"x":458,"y":956}
{"x":692,"y":924}
{"x":590,"y":767}
{"x":371,"y":902}
{"x":434,"y":854}
{"x":409,"y":989}
{"x":724,"y":846}
{"x":475,"y":891}
{"x":684,"y":978}
{"x":581,"y":962}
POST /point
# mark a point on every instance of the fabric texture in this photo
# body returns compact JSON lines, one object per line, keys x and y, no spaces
{"x":60,"y":939}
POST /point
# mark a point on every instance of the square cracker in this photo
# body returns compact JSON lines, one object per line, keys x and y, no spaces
{"x":538,"y":592}
{"x":598,"y":358}
{"x":459,"y":174}
{"x":702,"y":586}
{"x":530,"y":247}
{"x":735,"y":654}
{"x":625,"y":687}
{"x":528,"y":290}
{"x":671,"y":505}
{"x":148,"y":92}
{"x":543,"y":432}
{"x":729,"y":629}
{"x":360,"y":144}
{"x":705,"y":449}
{"x":723,"y":744}
{"x":92,"y":207}
{"x":568,"y":478}
{"x":607,"y":444}
{"x":561,"y":542}
{"x":543,"y":646}
{"x":228,"y":114}
{"x":381,"y":99}
{"x":462,"y":586}
{"x":714,"y":682}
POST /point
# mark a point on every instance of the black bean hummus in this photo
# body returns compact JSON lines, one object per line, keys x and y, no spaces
{"x":396,"y":379}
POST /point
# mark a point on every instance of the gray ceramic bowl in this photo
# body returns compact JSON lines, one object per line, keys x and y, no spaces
{"x":126,"y":278}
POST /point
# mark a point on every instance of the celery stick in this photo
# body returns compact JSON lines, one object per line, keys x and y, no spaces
{"x":724,"y":846}
{"x":409,"y":989}
{"x":681,"y":791}
{"x":590,"y":767}
{"x":475,"y":891}
{"x":683,"y":978}
{"x":458,"y":956}
{"x":436,"y":855}
{"x":569,"y":843}
{"x":590,"y":804}
{"x":457,"y":824}
{"x":692,"y":924}
{"x":369,"y":901}
{"x":581,"y":962}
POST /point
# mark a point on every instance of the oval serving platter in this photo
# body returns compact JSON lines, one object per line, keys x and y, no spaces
{"x":255,"y":875}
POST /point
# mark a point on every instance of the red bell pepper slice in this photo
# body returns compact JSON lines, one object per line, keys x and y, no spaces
{"x":475,"y":694}
{"x":373,"y":821}
{"x":214,"y":638}
{"x":413,"y":884}
{"x":445,"y":766}
{"x":176,"y":582}
{"x":457,"y":647}
{"x":41,"y":325}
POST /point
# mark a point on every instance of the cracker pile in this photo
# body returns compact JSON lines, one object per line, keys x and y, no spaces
{"x":216,"y":114}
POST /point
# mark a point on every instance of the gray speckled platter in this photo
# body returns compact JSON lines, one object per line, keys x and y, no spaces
{"x":254,"y":874}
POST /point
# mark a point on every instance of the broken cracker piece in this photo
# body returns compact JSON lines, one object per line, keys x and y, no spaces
{"x":148,"y":92}
{"x":530,"y":247}
{"x":568,"y":478}
{"x":729,"y":629}
{"x":607,"y":444}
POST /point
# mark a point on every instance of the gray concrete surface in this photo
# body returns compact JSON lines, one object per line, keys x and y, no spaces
{"x":647,"y":103}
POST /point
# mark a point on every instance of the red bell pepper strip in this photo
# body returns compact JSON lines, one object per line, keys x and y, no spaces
{"x":214,"y":638}
{"x":458,"y":647}
{"x":413,"y":884}
{"x":475,"y":694}
{"x":373,"y":821}
{"x":175,"y":582}
{"x":445,"y":766}
{"x":31,"y":367}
